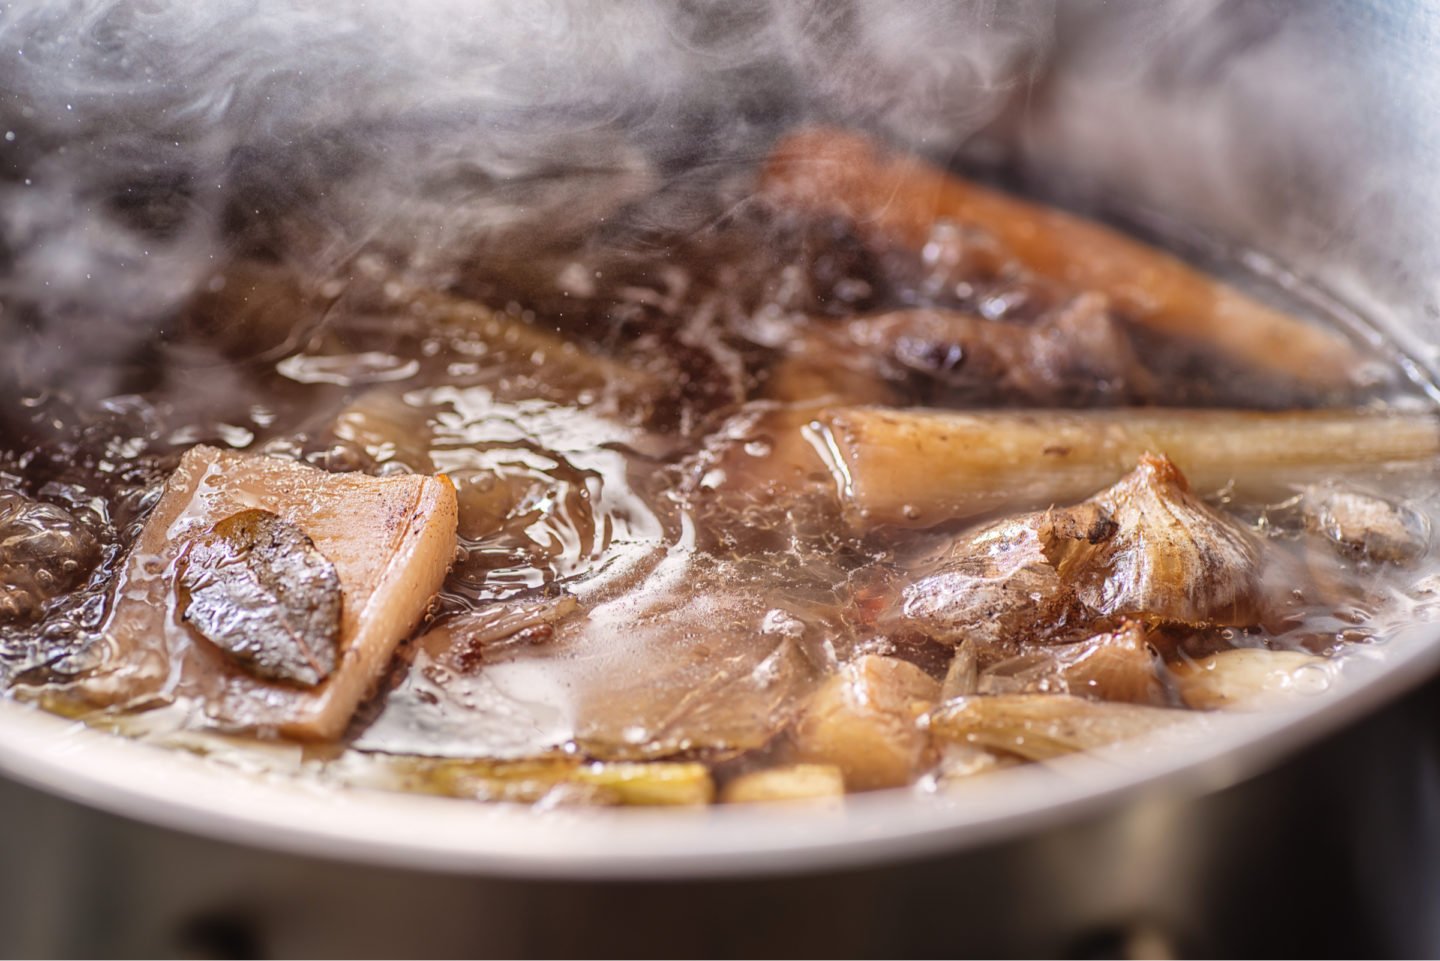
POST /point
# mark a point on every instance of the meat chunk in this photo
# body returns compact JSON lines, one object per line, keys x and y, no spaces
{"x":896,"y":198}
{"x":389,"y":541}
{"x":1145,"y":548}
{"x":1074,"y":353}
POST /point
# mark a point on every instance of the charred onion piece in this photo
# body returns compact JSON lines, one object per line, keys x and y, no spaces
{"x":1171,"y":556}
{"x":1039,"y":727}
{"x":917,"y":468}
{"x":995,"y":588}
{"x":256,"y":587}
{"x":896,"y":198}
{"x":1144,"y":548}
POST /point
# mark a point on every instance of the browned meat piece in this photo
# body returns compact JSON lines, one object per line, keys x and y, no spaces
{"x":1145,"y":548}
{"x":1363,"y":525}
{"x":864,"y":720}
{"x":1075,"y":353}
{"x":389,"y":541}
{"x":44,"y":551}
{"x":899,"y":199}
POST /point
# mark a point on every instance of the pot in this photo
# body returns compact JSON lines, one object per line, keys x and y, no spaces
{"x":1309,"y":132}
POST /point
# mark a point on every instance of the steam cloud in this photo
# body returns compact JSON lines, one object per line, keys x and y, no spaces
{"x":139,"y":135}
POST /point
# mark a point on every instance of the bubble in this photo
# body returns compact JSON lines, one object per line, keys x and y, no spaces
{"x":1311,"y":679}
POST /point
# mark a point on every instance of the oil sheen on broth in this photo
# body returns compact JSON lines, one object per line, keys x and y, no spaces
{"x":879,"y":479}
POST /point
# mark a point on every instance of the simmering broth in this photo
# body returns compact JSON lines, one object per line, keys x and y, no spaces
{"x":878,"y":479}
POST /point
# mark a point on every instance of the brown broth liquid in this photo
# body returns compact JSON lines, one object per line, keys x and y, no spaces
{"x":630,"y":586}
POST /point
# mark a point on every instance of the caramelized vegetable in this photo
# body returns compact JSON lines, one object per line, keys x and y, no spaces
{"x":556,"y":781}
{"x":1145,"y":547}
{"x":1248,"y":677}
{"x":864,"y":722}
{"x":923,"y":467}
{"x":995,"y":588}
{"x":1111,"y":666}
{"x":650,"y":784}
{"x":897,"y":198}
{"x":797,"y":782}
{"x":1039,"y":727}
{"x":1169,"y":556}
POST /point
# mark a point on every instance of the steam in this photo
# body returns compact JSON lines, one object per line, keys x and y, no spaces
{"x":141,"y":139}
